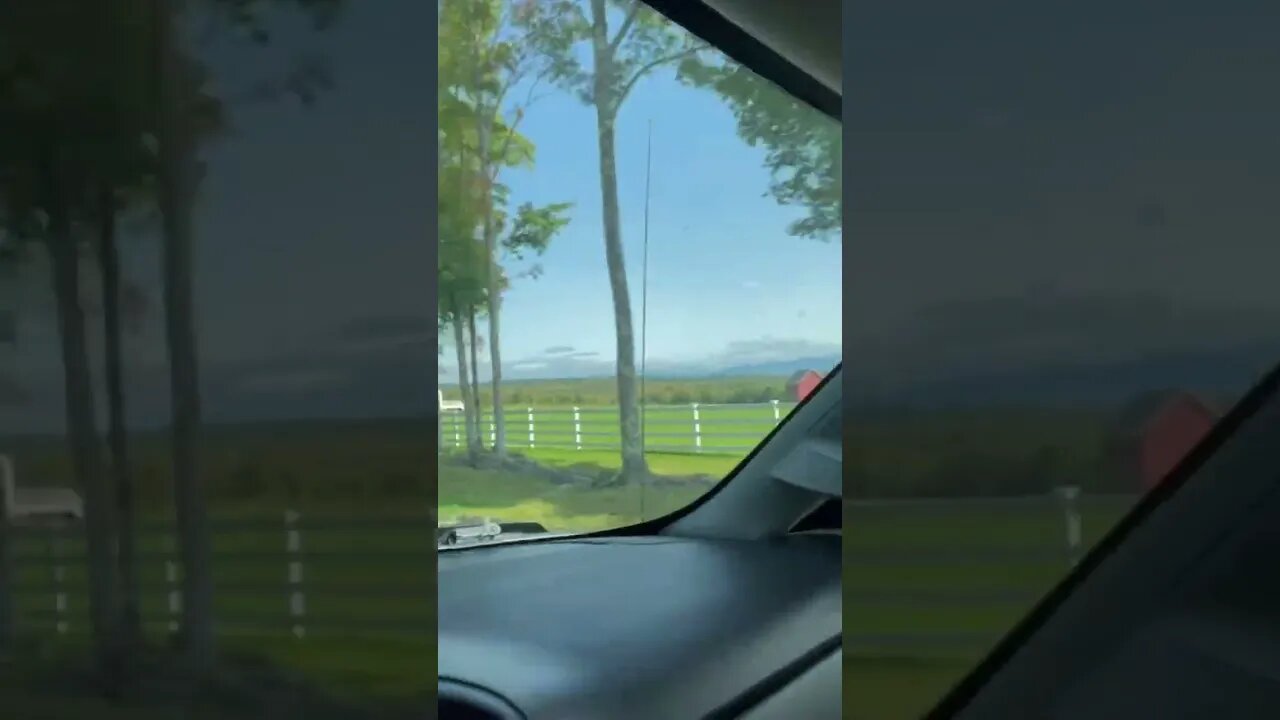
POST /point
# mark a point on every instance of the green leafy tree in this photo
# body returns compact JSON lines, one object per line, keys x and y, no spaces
{"x":461,"y":282}
{"x":67,"y":94}
{"x":626,"y":42}
{"x":802,"y":146}
{"x":490,"y":75}
{"x":186,"y":113}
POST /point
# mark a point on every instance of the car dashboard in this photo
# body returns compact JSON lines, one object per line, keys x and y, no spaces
{"x":639,"y":627}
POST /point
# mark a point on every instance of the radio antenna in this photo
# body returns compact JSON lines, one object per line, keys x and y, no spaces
{"x":644,"y":313}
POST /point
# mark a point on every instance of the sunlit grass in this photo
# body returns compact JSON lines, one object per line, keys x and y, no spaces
{"x":897,"y":688}
{"x":532,"y":510}
{"x":714,"y":464}
{"x":509,"y":496}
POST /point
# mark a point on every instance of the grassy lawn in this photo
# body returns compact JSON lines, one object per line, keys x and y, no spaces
{"x":662,"y":463}
{"x":368,"y":580}
{"x":467,"y":492}
{"x":897,"y":688}
{"x":296,"y":681}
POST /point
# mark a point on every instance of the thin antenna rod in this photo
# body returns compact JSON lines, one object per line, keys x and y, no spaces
{"x":644,"y":310}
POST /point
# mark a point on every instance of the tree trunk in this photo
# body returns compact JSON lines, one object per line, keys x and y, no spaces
{"x":495,"y":351}
{"x":117,"y":437}
{"x":6,"y":561}
{"x":178,"y":177}
{"x":82,"y":443}
{"x":634,"y":467}
{"x":468,"y":410}
{"x":475,"y":375}
{"x":493,"y":289}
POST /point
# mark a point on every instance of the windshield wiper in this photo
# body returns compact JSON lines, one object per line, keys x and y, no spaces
{"x":475,"y":532}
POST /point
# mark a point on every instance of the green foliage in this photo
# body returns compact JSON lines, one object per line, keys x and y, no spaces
{"x":78,"y":108}
{"x":803,"y":148}
{"x":482,"y":61}
{"x":533,"y":229}
{"x":641,"y":42}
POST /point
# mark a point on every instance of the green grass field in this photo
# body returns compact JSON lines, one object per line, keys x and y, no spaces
{"x":466,"y":492}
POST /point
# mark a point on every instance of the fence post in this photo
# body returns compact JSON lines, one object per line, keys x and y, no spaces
{"x":531,"y":443}
{"x":453,"y":420}
{"x":577,"y":428}
{"x":1069,"y":496}
{"x":293,"y":547}
{"x":59,"y":578}
{"x":171,"y":581}
{"x":697,"y":429}
{"x":777,"y":412}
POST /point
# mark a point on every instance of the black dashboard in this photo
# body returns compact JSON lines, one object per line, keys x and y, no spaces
{"x":633,"y":627}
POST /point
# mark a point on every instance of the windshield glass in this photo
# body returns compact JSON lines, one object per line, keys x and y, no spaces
{"x":639,"y":264}
{"x":1065,"y":275}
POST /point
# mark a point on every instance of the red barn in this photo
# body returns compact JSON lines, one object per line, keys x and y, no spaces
{"x":1156,"y":431}
{"x":801,"y":384}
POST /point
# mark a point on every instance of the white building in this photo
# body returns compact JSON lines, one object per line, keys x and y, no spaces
{"x":449,"y":405}
{"x":37,"y":504}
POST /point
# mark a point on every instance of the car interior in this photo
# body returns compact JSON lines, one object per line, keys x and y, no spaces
{"x":728,"y":608}
{"x":724,"y":609}
{"x":1173,"y":615}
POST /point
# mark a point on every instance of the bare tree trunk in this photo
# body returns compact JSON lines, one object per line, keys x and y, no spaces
{"x":495,"y":352}
{"x":6,"y":561}
{"x":179,"y":172}
{"x":493,"y":287}
{"x":468,"y":410}
{"x":634,"y":467}
{"x":86,"y":458}
{"x":117,"y":437}
{"x":475,"y":375}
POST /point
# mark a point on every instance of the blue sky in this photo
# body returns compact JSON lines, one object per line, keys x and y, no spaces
{"x":724,"y":276}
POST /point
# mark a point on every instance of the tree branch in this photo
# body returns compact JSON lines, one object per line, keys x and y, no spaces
{"x":627,"y":22}
{"x":529,"y":100}
{"x":649,"y":67}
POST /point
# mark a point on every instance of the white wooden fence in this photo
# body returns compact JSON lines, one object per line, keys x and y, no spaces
{"x":712,"y":428}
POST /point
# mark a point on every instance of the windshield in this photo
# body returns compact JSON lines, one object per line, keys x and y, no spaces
{"x":639,"y":265}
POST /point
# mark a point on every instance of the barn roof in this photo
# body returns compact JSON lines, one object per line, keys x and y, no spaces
{"x":799,"y":375}
{"x":1134,"y":416}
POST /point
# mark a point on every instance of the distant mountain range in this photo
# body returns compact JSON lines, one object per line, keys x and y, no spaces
{"x":822,"y":364}
{"x":1220,"y":375}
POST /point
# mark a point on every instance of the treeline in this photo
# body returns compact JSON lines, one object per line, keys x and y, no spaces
{"x":269,"y":466}
{"x":984,"y":454}
{"x":925,"y":454}
{"x":602,"y":392}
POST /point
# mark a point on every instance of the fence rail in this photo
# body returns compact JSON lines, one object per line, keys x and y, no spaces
{"x":289,"y":576}
{"x":713,"y":428}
